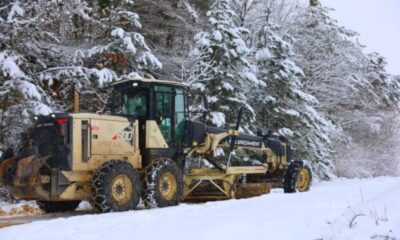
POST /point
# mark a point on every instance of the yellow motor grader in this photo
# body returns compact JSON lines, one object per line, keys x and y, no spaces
{"x":146,"y":148}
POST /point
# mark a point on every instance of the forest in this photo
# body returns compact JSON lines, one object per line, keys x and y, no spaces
{"x":293,"y":68}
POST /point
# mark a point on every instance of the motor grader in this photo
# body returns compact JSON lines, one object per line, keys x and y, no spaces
{"x":145,"y":148}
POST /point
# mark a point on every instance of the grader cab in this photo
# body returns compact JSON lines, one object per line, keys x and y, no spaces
{"x":148,"y":149}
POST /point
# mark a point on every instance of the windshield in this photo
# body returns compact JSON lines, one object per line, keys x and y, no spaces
{"x":134,"y":104}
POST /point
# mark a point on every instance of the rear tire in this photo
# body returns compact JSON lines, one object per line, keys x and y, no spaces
{"x":115,"y":187}
{"x":59,"y":206}
{"x":163,"y":184}
{"x":297,"y":177}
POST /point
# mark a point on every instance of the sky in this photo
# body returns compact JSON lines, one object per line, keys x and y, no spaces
{"x":378,"y":23}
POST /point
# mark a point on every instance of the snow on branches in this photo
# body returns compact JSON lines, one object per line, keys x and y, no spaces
{"x":220,"y":68}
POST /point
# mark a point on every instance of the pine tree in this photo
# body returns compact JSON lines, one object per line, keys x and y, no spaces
{"x":124,"y":50}
{"x":100,"y":44}
{"x":20,"y":93}
{"x":385,"y":86}
{"x":353,"y":89}
{"x":329,"y":56}
{"x":284,"y":105}
{"x":221,"y":69}
{"x":51,"y":48}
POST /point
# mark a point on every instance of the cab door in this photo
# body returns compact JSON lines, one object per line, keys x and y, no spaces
{"x":164,"y":111}
{"x":179,"y":114}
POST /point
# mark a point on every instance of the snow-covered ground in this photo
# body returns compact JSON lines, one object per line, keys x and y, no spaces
{"x":342,"y":209}
{"x":22,"y":208}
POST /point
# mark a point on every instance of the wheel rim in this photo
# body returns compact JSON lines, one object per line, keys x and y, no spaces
{"x":303,"y":180}
{"x":167,"y":186}
{"x":121,"y":189}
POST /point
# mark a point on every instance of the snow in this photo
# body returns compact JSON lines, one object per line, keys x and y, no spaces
{"x":27,"y":208}
{"x":290,"y":112}
{"x":306,"y":97}
{"x":263,"y":54}
{"x":202,"y":39}
{"x":28,"y":89}
{"x":217,"y":35}
{"x":227,"y":86}
{"x":140,"y":41}
{"x":127,"y":40}
{"x":149,"y":59}
{"x":8,"y":65}
{"x":118,"y":32}
{"x":22,"y":208}
{"x":129,"y":44}
{"x":252,"y":78}
{"x":104,"y":76}
{"x":16,"y":10}
{"x":212,"y":99}
{"x":198,"y":86}
{"x":217,"y":118}
{"x":325,"y":212}
{"x":133,"y":17}
{"x":285,"y":132}
{"x":283,"y":74}
{"x":190,"y":9}
{"x":42,"y":109}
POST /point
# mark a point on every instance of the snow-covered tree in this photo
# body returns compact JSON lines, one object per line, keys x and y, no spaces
{"x":124,"y":50}
{"x":284,"y":106}
{"x":353,"y":88}
{"x":220,"y":69}
{"x":385,"y":86}
{"x":51,"y":48}
{"x":104,"y":45}
{"x":250,"y":14}
{"x":329,"y":56}
{"x":20,"y":92}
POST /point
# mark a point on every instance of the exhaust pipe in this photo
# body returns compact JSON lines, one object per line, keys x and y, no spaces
{"x":76,"y":101}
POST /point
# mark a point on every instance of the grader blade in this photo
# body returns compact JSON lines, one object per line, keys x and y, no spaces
{"x":249,"y":190}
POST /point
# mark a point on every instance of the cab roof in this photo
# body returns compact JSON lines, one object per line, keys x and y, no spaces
{"x":149,"y":80}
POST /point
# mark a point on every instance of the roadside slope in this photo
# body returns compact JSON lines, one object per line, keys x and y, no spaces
{"x":325,"y":212}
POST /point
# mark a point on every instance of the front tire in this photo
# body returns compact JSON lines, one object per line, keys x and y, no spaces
{"x":163,"y":184}
{"x":115,"y":187}
{"x":59,"y":206}
{"x":297,"y":177}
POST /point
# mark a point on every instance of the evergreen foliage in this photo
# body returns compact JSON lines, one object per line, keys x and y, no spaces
{"x":353,"y":88}
{"x":51,"y":48}
{"x":223,"y":72}
{"x":283,"y":104}
{"x":299,"y":73}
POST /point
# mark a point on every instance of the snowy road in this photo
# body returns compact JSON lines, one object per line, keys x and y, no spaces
{"x":342,"y":209}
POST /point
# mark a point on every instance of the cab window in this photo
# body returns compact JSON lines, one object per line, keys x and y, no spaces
{"x":179,"y":115}
{"x":164,"y":110}
{"x":134,"y":104}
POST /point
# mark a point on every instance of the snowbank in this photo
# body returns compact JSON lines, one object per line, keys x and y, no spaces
{"x":23,"y":208}
{"x":326,"y":212}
